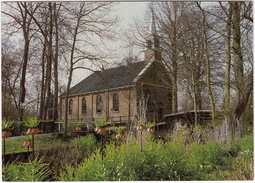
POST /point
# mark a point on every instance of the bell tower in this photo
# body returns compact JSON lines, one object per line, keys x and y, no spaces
{"x":152,"y":51}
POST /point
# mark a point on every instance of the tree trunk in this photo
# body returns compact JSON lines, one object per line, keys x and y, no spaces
{"x":228,"y":62}
{"x":25,"y":28}
{"x":238,"y":58}
{"x":174,"y":77}
{"x":234,"y":120}
{"x":208,"y":69}
{"x":42,"y":96}
{"x":49,"y":65}
{"x":195,"y":100}
{"x":70,"y":76}
{"x":55,"y":105}
{"x":23,"y":75}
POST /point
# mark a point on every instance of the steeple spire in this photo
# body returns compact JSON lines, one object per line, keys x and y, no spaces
{"x":152,"y":21}
{"x":153,"y":51}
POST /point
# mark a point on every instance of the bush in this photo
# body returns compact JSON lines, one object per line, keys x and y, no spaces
{"x":234,"y":149}
{"x":246,"y":150}
{"x":87,"y":143}
{"x":60,"y":154}
{"x":151,"y":160}
{"x":129,"y":163}
{"x":241,"y":170}
{"x":93,"y":168}
{"x":174,"y":161}
{"x":158,"y":161}
{"x":35,"y":170}
{"x":204,"y":159}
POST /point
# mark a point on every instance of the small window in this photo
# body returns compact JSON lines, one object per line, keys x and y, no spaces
{"x":115,"y":102}
{"x":70,"y":106}
{"x":99,"y":103}
{"x":84,"y":106}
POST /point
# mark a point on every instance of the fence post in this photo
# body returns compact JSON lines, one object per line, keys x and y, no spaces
{"x":59,"y":127}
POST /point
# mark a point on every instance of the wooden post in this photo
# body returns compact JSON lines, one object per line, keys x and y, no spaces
{"x":59,"y":127}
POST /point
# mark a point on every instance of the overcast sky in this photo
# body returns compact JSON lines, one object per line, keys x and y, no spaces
{"x":127,"y":13}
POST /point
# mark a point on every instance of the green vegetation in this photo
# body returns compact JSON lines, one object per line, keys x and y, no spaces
{"x":159,"y":161}
{"x":6,"y":124}
{"x":35,"y":170}
{"x":87,"y":143}
{"x":102,"y":122}
{"x":80,"y":159}
{"x":15,"y":145}
{"x":31,"y":122}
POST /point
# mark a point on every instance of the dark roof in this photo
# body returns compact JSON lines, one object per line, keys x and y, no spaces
{"x":109,"y":78}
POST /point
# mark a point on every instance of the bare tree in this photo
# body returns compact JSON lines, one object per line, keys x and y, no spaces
{"x":11,"y":69}
{"x":208,"y":68}
{"x":169,"y":16}
{"x":22,"y":18}
{"x":55,"y":105}
{"x":228,"y":61}
{"x":86,"y":19}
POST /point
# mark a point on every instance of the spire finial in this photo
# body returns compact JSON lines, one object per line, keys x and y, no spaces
{"x":152,"y":21}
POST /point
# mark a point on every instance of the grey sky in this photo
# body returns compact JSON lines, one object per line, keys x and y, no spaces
{"x":127,"y":13}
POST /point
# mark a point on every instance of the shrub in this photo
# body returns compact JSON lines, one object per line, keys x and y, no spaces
{"x":203,"y":159}
{"x":158,"y":161}
{"x":87,"y":143}
{"x":151,"y":161}
{"x":35,"y":170}
{"x":234,"y":149}
{"x":68,"y":174}
{"x":60,"y":154}
{"x":174,"y":162}
{"x":241,"y":170}
{"x":127,"y":163}
{"x":94,"y":168}
{"x":246,"y":150}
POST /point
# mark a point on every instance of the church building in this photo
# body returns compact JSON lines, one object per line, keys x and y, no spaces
{"x":125,"y":93}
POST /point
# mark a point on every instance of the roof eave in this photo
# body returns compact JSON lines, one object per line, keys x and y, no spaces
{"x":98,"y":91}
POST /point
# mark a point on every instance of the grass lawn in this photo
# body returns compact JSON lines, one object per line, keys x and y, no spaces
{"x":15,"y":145}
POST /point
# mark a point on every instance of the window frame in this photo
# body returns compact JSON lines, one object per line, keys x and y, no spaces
{"x":99,"y":104}
{"x":70,"y":107}
{"x":115,"y":102}
{"x":84,"y":106}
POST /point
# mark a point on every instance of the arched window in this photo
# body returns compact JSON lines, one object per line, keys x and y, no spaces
{"x":84,"y":106}
{"x":115,"y":102}
{"x":70,"y":106}
{"x":99,"y":103}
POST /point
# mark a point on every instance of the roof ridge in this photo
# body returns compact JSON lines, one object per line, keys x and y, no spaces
{"x":114,"y":77}
{"x":123,"y":65}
